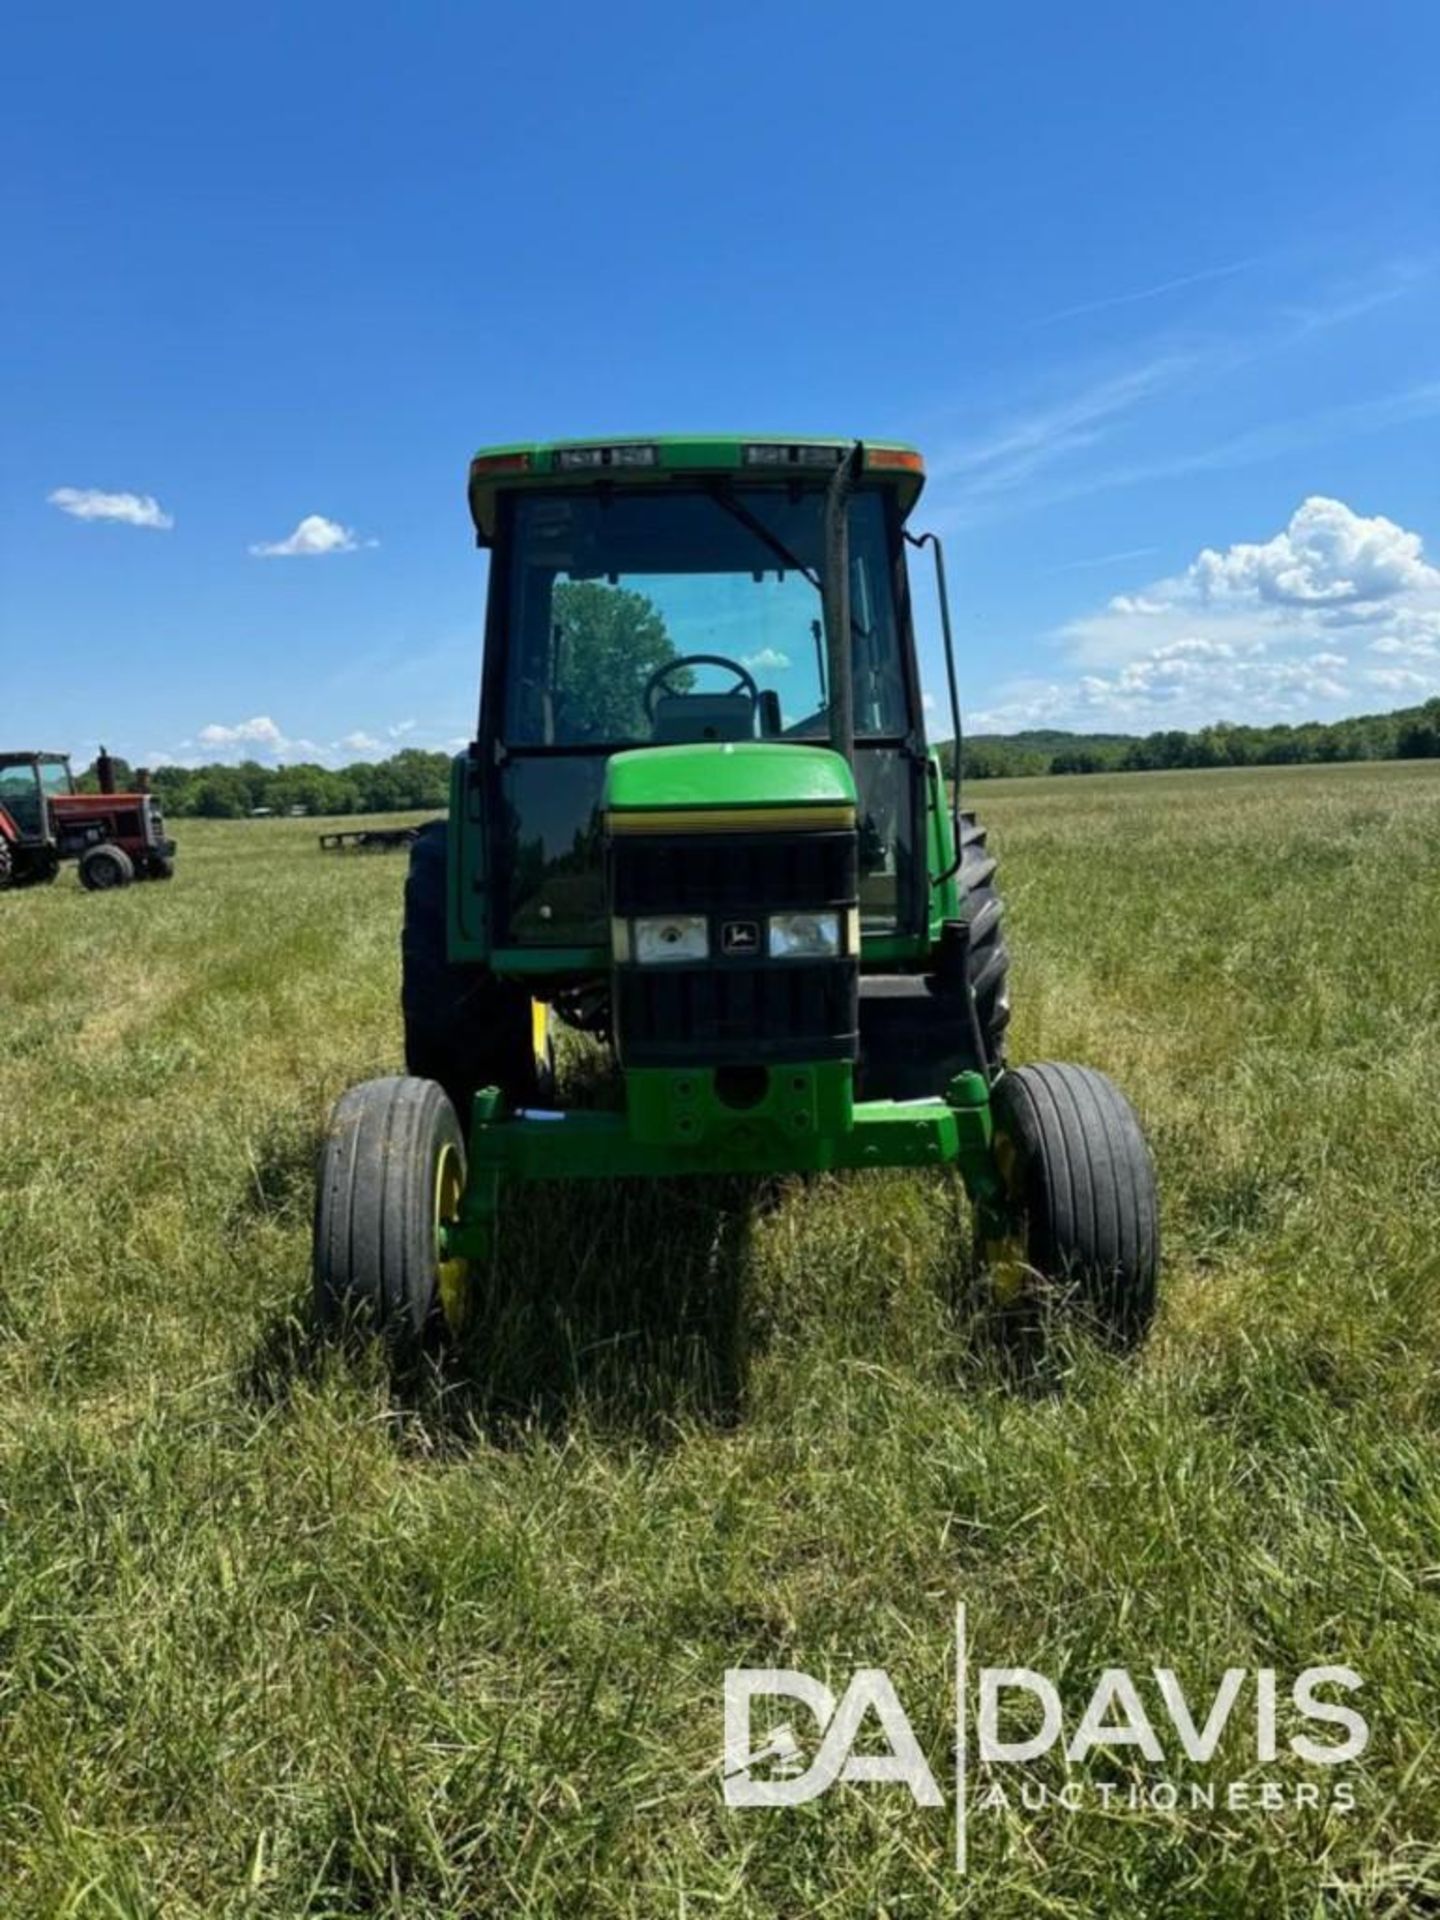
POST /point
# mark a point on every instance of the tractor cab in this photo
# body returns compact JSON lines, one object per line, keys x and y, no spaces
{"x":699,"y":817}
{"x":675,"y":595}
{"x":28,"y":783}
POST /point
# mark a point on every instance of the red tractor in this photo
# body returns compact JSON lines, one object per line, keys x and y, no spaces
{"x":116,"y":837}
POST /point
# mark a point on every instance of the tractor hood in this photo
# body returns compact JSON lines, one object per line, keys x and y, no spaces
{"x":727,"y":787}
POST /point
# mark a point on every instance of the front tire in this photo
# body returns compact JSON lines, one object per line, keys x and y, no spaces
{"x":392,"y":1176}
{"x":105,"y":867}
{"x":1081,"y":1209}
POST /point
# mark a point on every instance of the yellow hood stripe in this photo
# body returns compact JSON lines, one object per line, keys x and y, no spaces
{"x":731,"y":820}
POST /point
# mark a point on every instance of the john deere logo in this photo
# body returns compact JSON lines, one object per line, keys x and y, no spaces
{"x":740,"y":936}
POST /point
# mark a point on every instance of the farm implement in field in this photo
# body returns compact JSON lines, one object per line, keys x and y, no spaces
{"x":45,"y":820}
{"x":369,"y":840}
{"x":700,"y":822}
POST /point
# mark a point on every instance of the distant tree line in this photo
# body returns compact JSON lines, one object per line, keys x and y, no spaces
{"x":414,"y":780}
{"x":409,"y":780}
{"x":1413,"y":733}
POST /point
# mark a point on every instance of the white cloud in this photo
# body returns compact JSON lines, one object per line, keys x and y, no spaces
{"x":1389,"y":281}
{"x":1026,"y":443}
{"x":1102,"y":559}
{"x":1248,"y":632}
{"x":1167,"y":679}
{"x":1135,"y":603}
{"x":993,"y":491}
{"x":1413,"y":634}
{"x":1395,"y":679}
{"x":1327,"y":555}
{"x":265,"y":740}
{"x":1154,"y":292}
{"x":766,"y":661}
{"x":261,"y":731}
{"x":315,"y":535}
{"x":1007,"y":468}
{"x":1320,"y":427}
{"x":129,"y":509}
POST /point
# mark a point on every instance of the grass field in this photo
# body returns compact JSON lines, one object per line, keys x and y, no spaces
{"x":280,"y":1637}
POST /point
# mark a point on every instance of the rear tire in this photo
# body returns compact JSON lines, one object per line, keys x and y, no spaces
{"x":916,"y":1032}
{"x":463,"y":1027}
{"x":988,"y":960}
{"x":27,"y":866}
{"x":105,"y":867}
{"x":392,"y":1171}
{"x":1082,"y":1210}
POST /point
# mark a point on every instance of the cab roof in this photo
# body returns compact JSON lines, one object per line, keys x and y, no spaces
{"x":661,"y":458}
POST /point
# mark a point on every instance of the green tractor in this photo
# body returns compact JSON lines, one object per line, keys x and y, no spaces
{"x":700,"y":821}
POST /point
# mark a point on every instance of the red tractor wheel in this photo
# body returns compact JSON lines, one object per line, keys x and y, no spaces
{"x":105,"y":867}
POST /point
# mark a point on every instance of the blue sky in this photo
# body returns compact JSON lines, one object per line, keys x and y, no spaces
{"x":1146,"y":284}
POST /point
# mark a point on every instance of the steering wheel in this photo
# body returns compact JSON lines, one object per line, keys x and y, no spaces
{"x":656,"y":684}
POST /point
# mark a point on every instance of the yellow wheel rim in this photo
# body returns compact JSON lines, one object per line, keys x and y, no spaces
{"x":543,"y":1049}
{"x":452,"y":1277}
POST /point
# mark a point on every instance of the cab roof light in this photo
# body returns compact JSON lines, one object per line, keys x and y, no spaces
{"x":500,"y":463}
{"x":766,"y":454}
{"x":893,"y":457}
{"x":630,"y":454}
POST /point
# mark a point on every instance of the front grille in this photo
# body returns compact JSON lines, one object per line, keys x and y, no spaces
{"x":731,"y":1014}
{"x":736,"y":1008}
{"x":713,"y":873}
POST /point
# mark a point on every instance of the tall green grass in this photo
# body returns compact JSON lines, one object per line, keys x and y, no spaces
{"x":281,"y":1636}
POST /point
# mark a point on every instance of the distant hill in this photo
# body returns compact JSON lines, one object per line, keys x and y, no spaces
{"x":1052,"y":739}
{"x":1410,"y":733}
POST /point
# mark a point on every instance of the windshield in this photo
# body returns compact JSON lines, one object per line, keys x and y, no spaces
{"x":609,"y":595}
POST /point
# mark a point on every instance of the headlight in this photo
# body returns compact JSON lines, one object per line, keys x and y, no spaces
{"x":679,"y":936}
{"x":804,"y":936}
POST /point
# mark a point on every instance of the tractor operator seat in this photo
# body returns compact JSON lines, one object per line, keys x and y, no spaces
{"x":682,"y":718}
